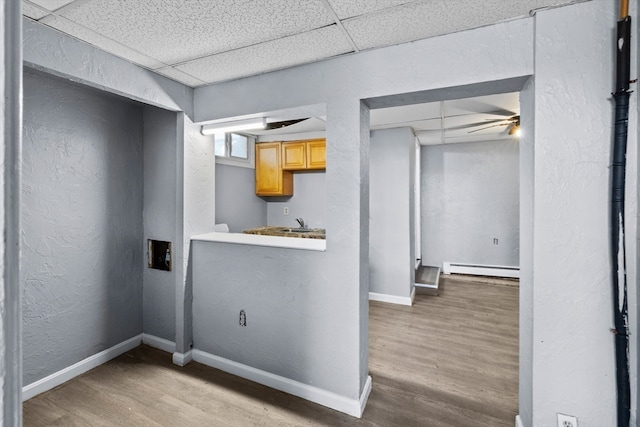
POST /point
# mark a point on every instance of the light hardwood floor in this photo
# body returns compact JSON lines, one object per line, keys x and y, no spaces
{"x":450,"y":360}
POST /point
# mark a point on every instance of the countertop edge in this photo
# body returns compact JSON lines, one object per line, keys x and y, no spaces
{"x":261,"y":240}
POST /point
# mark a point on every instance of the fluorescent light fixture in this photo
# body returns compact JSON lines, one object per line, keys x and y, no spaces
{"x":234,"y":126}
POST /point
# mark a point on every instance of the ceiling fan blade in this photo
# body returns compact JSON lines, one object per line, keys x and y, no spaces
{"x":505,"y":113}
{"x":488,"y":127}
{"x":471,"y":125}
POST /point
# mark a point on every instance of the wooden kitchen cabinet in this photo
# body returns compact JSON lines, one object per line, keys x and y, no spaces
{"x":316,"y":154}
{"x":271,"y":180}
{"x":294,"y":155}
{"x":304,"y":155}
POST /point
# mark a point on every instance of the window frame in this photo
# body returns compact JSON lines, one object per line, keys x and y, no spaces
{"x":249,"y":162}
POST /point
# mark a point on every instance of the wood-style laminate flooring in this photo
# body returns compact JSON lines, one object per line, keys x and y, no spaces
{"x":450,"y":360}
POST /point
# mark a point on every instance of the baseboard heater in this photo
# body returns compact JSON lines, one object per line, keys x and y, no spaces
{"x":480,"y":270}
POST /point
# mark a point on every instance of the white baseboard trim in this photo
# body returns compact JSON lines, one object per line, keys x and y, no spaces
{"x":81,"y":367}
{"x":353,"y":407}
{"x":392,"y":299}
{"x":364,"y":397}
{"x":519,"y":421}
{"x":480,"y":270}
{"x":159,"y":343}
{"x":182,"y":359}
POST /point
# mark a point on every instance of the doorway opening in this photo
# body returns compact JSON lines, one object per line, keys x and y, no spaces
{"x":462,"y":207}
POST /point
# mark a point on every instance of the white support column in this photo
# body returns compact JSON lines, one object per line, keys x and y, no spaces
{"x":11,"y":125}
{"x":348,"y":226}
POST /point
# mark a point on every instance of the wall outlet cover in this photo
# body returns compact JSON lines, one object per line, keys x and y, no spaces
{"x":567,"y":421}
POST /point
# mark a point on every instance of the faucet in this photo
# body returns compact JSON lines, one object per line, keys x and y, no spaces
{"x":301,"y":222}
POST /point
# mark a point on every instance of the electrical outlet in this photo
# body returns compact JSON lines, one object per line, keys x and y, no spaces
{"x":243,"y":318}
{"x":567,"y":421}
{"x":495,"y":241}
{"x":286,"y":210}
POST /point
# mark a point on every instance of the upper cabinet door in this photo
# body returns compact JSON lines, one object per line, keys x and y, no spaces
{"x":271,"y":180}
{"x":294,"y":156}
{"x":317,"y":154}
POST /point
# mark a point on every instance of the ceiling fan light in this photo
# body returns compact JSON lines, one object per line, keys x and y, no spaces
{"x":515,"y":131}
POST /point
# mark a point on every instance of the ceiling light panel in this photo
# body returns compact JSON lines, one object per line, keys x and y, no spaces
{"x":427,"y":18}
{"x":32,"y":11}
{"x":350,"y":8}
{"x":177,"y":31}
{"x":277,"y":54}
{"x":51,"y":4}
{"x":101,"y":42}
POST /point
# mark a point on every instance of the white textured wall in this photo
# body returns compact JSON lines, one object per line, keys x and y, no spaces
{"x":391,"y":263}
{"x":86,"y":64}
{"x":573,"y":360}
{"x":309,"y":201}
{"x":527,"y":174}
{"x":5,"y":126}
{"x":236,"y":202}
{"x":470,"y":196}
{"x":82,"y":224}
{"x":161,"y":204}
{"x":285,"y":317}
{"x":10,"y":129}
{"x":198,"y":167}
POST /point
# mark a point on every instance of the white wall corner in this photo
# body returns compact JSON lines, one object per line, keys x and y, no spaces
{"x":364,"y":396}
{"x":446,"y":268}
{"x":413,"y":295}
{"x":519,"y":421}
{"x":81,"y":367}
{"x":182,"y":359}
{"x":159,"y":343}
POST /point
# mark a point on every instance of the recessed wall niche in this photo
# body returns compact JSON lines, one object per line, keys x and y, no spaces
{"x":159,"y":253}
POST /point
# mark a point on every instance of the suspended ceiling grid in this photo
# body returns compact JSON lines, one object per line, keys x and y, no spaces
{"x":198,"y":42}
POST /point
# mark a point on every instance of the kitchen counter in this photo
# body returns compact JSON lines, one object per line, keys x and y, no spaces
{"x":313,"y":233}
{"x":286,"y":242}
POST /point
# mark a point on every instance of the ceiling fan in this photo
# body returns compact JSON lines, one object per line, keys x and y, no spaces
{"x":512,"y":123}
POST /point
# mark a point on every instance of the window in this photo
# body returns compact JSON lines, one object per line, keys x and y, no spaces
{"x":234,"y":149}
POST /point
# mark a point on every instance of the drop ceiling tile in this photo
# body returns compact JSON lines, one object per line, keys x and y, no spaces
{"x":277,"y":54}
{"x":102,"y":42}
{"x":177,"y":31}
{"x":179,"y":76}
{"x":427,"y":18}
{"x":349,"y":8}
{"x":32,"y":11}
{"x":51,"y":4}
